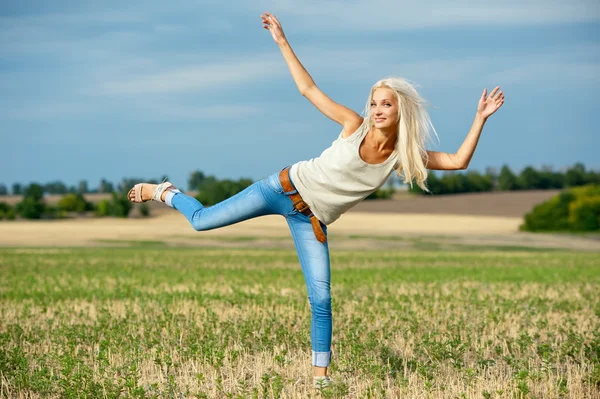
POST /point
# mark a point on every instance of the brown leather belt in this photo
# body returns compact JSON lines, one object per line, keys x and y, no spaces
{"x":300,"y":205}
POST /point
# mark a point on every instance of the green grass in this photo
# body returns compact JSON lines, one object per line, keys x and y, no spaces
{"x":154,"y":321}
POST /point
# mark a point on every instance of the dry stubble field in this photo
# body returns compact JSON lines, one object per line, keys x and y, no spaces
{"x":424,"y":307}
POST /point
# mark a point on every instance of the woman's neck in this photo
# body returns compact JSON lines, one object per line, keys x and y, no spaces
{"x":384,"y":139}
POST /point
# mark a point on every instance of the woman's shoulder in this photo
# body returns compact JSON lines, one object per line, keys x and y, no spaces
{"x":352,"y":127}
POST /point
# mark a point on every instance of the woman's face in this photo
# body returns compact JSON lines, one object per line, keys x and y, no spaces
{"x":384,"y":108}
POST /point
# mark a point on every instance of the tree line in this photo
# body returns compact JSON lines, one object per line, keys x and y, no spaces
{"x":210,"y":190}
{"x":213,"y":190}
{"x":529,"y":179}
{"x":33,"y":205}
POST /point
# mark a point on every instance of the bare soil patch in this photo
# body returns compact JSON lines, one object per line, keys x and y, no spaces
{"x":353,"y":231}
{"x":507,"y":204}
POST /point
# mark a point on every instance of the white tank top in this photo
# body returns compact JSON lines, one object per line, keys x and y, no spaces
{"x":339,"y":178}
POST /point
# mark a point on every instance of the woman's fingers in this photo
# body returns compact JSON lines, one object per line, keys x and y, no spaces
{"x":271,"y":18}
{"x":493,"y":93}
{"x":275,"y":19}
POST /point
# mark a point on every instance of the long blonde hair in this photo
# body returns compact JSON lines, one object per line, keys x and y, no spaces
{"x":414,"y":129}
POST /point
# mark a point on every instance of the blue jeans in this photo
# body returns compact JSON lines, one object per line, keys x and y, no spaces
{"x":266,"y":197}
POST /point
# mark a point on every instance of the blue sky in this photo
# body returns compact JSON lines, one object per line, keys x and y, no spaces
{"x":112,"y":89}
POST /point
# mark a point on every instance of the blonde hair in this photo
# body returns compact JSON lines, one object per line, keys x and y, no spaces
{"x":414,"y":129}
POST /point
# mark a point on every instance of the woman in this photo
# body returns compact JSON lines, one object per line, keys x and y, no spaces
{"x":313,"y":194}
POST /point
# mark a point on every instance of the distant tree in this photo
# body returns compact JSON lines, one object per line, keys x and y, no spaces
{"x":82,"y":187}
{"x":7,"y":212}
{"x":17,"y":189}
{"x":507,"y":180}
{"x":195,"y":180}
{"x":549,"y":179}
{"x":105,"y":187}
{"x":3,"y":190}
{"x":55,"y":187}
{"x":32,"y":206}
{"x":592,"y":177}
{"x":529,"y":179}
{"x":120,"y":205}
{"x":434,"y":185}
{"x":477,"y":182}
{"x":454,"y":183}
{"x":144,"y":209}
{"x":74,"y":203}
{"x":213,"y":191}
{"x":103,"y":208}
{"x":575,"y":176}
{"x":4,"y":207}
{"x":492,"y":175}
{"x":35,"y":191}
{"x":382,"y":193}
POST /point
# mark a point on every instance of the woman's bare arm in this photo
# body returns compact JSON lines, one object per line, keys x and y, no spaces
{"x":461,"y":159}
{"x":306,"y":85}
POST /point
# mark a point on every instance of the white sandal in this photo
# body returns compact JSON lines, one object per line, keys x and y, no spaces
{"x":321,"y":382}
{"x":156,"y":196}
{"x":160,"y":189}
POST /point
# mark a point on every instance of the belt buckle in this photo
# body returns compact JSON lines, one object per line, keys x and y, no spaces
{"x":301,"y":209}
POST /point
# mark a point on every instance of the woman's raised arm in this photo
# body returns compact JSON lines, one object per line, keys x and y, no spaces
{"x":461,"y":159}
{"x":306,"y":85}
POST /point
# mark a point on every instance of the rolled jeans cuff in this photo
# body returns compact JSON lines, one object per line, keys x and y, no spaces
{"x":321,"y":359}
{"x":169,"y":197}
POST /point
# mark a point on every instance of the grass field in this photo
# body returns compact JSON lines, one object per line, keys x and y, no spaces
{"x":155,"y":321}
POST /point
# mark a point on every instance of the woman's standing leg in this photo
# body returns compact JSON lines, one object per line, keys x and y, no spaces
{"x":314,"y":259}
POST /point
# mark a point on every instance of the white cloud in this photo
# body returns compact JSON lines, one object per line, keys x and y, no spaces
{"x":383,"y":15}
{"x":195,"y":77}
{"x":552,"y":74}
{"x":44,"y":111}
{"x":114,"y":61}
{"x":179,"y":112}
{"x":560,"y":66}
{"x":143,"y":110}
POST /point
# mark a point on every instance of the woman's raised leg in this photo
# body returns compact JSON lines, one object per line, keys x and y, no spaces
{"x":260,"y":198}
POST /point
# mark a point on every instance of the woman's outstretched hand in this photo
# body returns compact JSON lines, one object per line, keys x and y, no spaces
{"x":490,"y":104}
{"x":271,"y":24}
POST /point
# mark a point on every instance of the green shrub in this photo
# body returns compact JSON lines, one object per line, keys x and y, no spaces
{"x":103,"y":208}
{"x":4,"y":210}
{"x":577,"y":209}
{"x":10,"y":214}
{"x":4,"y":207}
{"x":215,"y":191}
{"x":584,"y":214}
{"x":382,"y":193}
{"x":144,"y":209}
{"x":31,"y":208}
{"x":118,"y":206}
{"x":74,"y":202}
